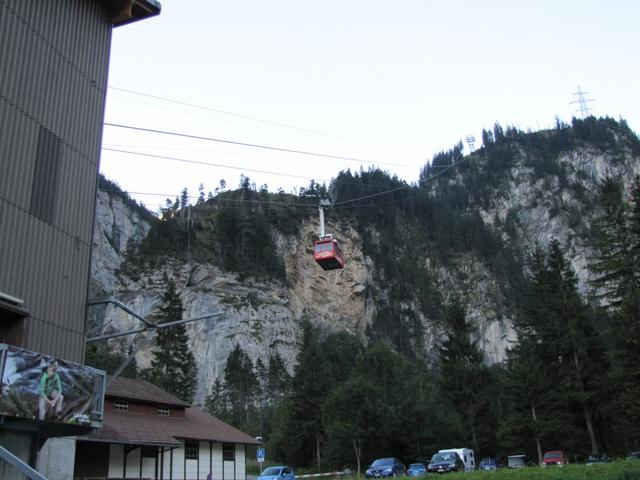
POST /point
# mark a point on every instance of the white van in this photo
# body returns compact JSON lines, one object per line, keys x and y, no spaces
{"x":467,"y":456}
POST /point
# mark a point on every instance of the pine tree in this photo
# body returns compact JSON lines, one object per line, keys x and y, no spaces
{"x":617,"y":265}
{"x":278,"y":380}
{"x":303,"y":431}
{"x":102,"y":357}
{"x":463,"y":374}
{"x":240,"y":388}
{"x":200,"y":193}
{"x":560,"y":325}
{"x":534,"y":408}
{"x":214,"y":403}
{"x":612,"y":266}
{"x":173,"y":367}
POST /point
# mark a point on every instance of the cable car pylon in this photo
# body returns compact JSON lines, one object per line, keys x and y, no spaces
{"x":326,"y":250}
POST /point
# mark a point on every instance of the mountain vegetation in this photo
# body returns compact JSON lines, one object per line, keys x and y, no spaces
{"x":570,"y":381}
{"x":173,"y":367}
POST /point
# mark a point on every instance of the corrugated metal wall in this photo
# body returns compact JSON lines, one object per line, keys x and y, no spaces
{"x":54,"y":57}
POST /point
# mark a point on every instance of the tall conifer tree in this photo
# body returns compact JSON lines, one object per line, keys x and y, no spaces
{"x":240,"y":387}
{"x":617,"y":265}
{"x":566,"y":341}
{"x":463,"y":373}
{"x":173,"y":367}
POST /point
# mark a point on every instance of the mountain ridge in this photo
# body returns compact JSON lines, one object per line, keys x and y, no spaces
{"x":465,"y":234}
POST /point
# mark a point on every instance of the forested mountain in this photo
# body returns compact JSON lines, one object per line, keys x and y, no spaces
{"x":494,"y":304}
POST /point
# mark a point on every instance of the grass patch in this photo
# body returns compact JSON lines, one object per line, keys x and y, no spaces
{"x":620,"y":470}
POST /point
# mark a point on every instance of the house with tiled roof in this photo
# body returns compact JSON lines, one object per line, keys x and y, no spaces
{"x":150,"y":434}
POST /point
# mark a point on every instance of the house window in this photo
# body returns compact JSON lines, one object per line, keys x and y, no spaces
{"x":164,"y":411}
{"x":228,"y":452}
{"x":191,"y":450}
{"x":149,"y":452}
{"x":121,"y":406}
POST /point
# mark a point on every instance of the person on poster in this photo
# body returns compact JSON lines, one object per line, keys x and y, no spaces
{"x":50,"y":392}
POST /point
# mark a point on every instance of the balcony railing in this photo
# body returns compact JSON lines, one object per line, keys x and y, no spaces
{"x":14,"y":468}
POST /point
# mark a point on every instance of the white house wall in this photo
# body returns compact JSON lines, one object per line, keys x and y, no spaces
{"x":191,"y":469}
{"x":133,"y":464}
{"x":205,"y":461}
{"x":217,"y":461}
{"x":240,"y":462}
{"x":148,"y":467}
{"x":229,"y":470}
{"x":165,"y":471}
{"x":174,"y":464}
{"x":178,"y":464}
{"x":116,"y":460}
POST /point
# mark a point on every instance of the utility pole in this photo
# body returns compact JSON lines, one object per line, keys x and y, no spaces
{"x":582,"y":101}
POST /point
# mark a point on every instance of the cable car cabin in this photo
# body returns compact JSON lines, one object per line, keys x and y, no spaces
{"x":327,"y":253}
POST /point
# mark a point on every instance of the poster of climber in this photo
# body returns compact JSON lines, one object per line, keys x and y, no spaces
{"x":47,"y":389}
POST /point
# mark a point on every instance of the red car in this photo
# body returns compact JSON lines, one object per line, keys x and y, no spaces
{"x":555,"y":457}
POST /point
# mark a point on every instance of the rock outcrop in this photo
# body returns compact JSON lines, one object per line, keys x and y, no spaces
{"x":265,"y":316}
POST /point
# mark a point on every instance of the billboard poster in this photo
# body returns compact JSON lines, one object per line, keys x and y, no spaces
{"x":48,"y":389}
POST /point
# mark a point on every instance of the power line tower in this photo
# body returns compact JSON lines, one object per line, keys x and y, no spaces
{"x":583,"y":102}
{"x":471,"y":142}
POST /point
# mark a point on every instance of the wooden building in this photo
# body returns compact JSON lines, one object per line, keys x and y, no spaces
{"x":151,"y":434}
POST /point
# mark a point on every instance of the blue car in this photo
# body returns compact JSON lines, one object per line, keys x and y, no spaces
{"x":488,"y":464}
{"x":416,"y":469}
{"x":385,"y":467}
{"x":277,"y":473}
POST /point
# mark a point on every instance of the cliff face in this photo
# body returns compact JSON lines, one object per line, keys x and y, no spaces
{"x":543,"y":208}
{"x":265,"y":316}
{"x":262,"y":317}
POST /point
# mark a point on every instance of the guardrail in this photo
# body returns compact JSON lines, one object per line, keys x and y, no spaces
{"x":328,"y":474}
{"x":14,"y":468}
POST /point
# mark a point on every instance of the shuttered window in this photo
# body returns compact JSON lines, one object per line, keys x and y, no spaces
{"x":190,"y":450}
{"x":44,"y":187}
{"x":228,"y":452}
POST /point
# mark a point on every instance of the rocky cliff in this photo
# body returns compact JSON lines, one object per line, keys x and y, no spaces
{"x":523,"y":206}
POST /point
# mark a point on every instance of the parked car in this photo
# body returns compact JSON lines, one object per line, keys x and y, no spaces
{"x":416,"y":469}
{"x":488,"y":464}
{"x":277,"y":473}
{"x":385,"y":467}
{"x":466,"y":455}
{"x":555,"y":457}
{"x":633,"y":456}
{"x":445,"y":462}
{"x":597,"y":459}
{"x":517,"y":461}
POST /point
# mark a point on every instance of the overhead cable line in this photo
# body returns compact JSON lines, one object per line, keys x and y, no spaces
{"x":371,"y":196}
{"x":441,"y":172}
{"x":314,"y":206}
{"x":219,"y":200}
{"x":209,"y":164}
{"x":254,"y":145}
{"x":222,"y":165}
{"x":249,"y":117}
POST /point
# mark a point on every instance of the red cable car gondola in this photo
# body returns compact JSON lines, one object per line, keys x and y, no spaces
{"x":327,"y":253}
{"x":326,"y":250}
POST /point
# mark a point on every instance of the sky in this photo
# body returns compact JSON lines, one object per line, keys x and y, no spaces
{"x":375,"y":82}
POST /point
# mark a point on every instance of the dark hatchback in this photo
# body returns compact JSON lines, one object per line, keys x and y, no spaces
{"x":385,"y":467}
{"x":445,"y":463}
